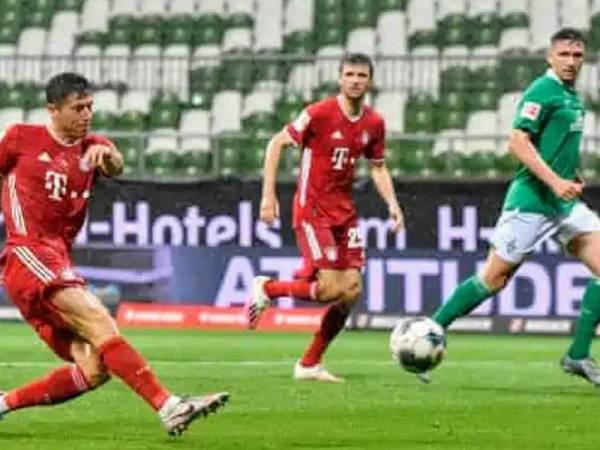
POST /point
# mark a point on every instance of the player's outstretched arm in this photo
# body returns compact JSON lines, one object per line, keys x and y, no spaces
{"x":521,"y":146}
{"x":269,"y":205}
{"x":383,"y":182}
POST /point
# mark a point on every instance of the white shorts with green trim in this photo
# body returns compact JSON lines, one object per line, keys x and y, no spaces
{"x":517,"y":233}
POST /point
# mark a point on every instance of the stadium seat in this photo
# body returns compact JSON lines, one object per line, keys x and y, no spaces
{"x":451,"y":8}
{"x":448,"y":142}
{"x":162,"y":140}
{"x":237,"y":75}
{"x":253,"y":157}
{"x":39,"y":15}
{"x":507,"y":111}
{"x":241,"y":12}
{"x":420,"y":114}
{"x":391,"y":33}
{"x":31,"y":44}
{"x":176,"y":69}
{"x":425,"y":75}
{"x":575,"y":14}
{"x":268,"y":27}
{"x":298,"y":16}
{"x":145,"y":67}
{"x":392,"y":5}
{"x":37,"y":116}
{"x":514,"y":13}
{"x":515,"y":40}
{"x":119,"y":8}
{"x":327,"y":65}
{"x":115,"y":64}
{"x":362,"y":40}
{"x":237,"y":40}
{"x":94,"y":16}
{"x":360,"y":13}
{"x":106,"y":100}
{"x":88,"y":62}
{"x":587,"y":82}
{"x":226,"y":112}
{"x":543,"y":23}
{"x":456,"y":79}
{"x":230,"y":149}
{"x":299,"y":43}
{"x":10,"y":116}
{"x":136,"y":101}
{"x":195,"y":130}
{"x":391,"y":104}
{"x":208,"y":30}
{"x":482,"y":8}
{"x":421,"y":16}
{"x":152,"y":7}
{"x":211,"y":7}
{"x":302,"y":79}
{"x":288,"y":107}
{"x":182,"y":7}
{"x":481,"y":129}
{"x":7,"y":62}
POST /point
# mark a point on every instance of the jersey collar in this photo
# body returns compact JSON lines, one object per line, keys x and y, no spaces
{"x":60,"y":141}
{"x":552,"y":74}
{"x":356,"y":118}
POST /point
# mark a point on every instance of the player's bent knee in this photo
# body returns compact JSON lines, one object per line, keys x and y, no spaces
{"x":352,"y":294}
{"x":328,"y":292}
{"x":96,"y":379}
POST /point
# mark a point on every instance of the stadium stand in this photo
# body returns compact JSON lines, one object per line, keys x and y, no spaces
{"x":194,"y":87}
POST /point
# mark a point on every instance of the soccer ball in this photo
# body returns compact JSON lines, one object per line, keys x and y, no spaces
{"x":418,"y":344}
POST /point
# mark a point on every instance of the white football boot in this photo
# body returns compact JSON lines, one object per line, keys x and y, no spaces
{"x":178,"y":412}
{"x":258,"y":302}
{"x":315,"y":373}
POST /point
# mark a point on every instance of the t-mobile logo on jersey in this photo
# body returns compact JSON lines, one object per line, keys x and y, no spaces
{"x":56,"y":183}
{"x":339,"y":157}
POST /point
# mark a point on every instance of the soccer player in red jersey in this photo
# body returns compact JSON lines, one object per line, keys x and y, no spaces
{"x":48,"y":174}
{"x":333,"y":134}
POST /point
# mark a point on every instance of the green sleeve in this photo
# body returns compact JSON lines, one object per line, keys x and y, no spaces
{"x":533,"y":110}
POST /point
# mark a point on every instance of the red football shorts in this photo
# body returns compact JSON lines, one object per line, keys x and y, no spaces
{"x":327,"y":247}
{"x":31,"y":274}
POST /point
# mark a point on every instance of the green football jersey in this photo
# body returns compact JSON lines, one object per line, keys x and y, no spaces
{"x":552,"y":114}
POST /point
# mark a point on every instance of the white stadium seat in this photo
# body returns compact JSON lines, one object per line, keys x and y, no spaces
{"x":421,"y":16}
{"x":94,"y":15}
{"x":299,"y":16}
{"x":226,"y":112}
{"x":136,"y":100}
{"x":195,"y":123}
{"x":390,"y":104}
{"x":481,"y":128}
{"x":391,"y":33}
{"x":362,"y":40}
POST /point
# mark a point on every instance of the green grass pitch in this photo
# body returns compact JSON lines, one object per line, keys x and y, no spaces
{"x":490,"y":393}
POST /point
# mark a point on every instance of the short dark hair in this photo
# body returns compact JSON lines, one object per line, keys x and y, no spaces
{"x":65,"y":84}
{"x":568,"y":34}
{"x":357,"y":58}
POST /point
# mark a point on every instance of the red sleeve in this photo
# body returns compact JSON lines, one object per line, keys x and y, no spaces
{"x":8,"y":150}
{"x":303,"y":126}
{"x":375,"y":151}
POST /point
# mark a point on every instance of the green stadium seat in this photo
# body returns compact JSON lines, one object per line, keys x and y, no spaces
{"x":449,"y":119}
{"x":516,"y":74}
{"x":268,"y":71}
{"x":12,"y":15}
{"x":195,"y":164}
{"x":260,"y":124}
{"x":455,"y":79}
{"x":479,"y":164}
{"x":230,"y":150}
{"x":9,"y":33}
{"x":103,"y":120}
{"x":161,"y":163}
{"x":130,"y":121}
{"x":70,"y":5}
{"x":39,"y":13}
{"x":237,"y":75}
{"x":485,"y":29}
{"x":422,"y":38}
{"x":121,"y":30}
{"x":453,"y":30}
{"x":515,"y":20}
{"x":453,"y":101}
{"x":506,"y":164}
{"x":240,"y":20}
{"x":326,"y":6}
{"x":290,"y":163}
{"x":392,"y":5}
{"x":330,"y":35}
{"x":98,"y":38}
{"x":486,"y":78}
{"x":178,"y":30}
{"x":299,"y":43}
{"x":205,"y":79}
{"x":208,"y":29}
{"x":360,"y":13}
{"x":148,"y":32}
{"x":254,"y":156}
{"x":420,"y":114}
{"x":483,"y":100}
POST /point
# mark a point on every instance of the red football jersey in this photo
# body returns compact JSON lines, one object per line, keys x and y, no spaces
{"x":46,"y":186}
{"x":331,"y":144}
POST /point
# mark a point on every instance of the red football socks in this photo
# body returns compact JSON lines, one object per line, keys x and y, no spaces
{"x":58,"y":386}
{"x":305,"y":290}
{"x":332,"y":323}
{"x":125,"y":362}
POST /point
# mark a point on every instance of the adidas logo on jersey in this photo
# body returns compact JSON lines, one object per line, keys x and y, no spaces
{"x":44,"y":157}
{"x":337,"y":135}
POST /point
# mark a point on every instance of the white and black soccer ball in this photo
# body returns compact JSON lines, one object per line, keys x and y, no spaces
{"x":418,"y":344}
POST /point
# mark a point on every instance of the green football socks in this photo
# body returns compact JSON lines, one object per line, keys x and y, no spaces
{"x":465,"y":298}
{"x":588,"y":319}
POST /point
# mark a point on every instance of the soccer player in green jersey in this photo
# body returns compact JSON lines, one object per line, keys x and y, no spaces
{"x":543,"y":199}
